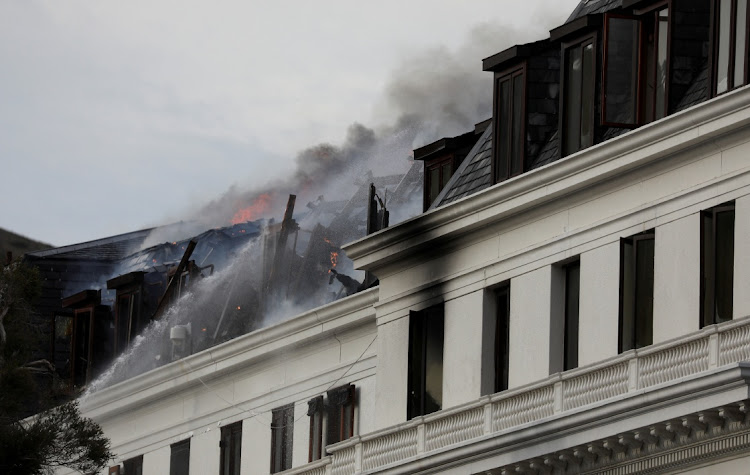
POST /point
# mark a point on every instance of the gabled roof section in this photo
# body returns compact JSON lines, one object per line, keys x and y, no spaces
{"x":474,"y":174}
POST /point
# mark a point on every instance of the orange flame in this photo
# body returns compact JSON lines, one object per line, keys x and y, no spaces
{"x":254,"y":211}
{"x":334,"y":259}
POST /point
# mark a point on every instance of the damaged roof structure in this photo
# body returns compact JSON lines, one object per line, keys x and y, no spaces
{"x":102,"y":298}
{"x":571,"y":300}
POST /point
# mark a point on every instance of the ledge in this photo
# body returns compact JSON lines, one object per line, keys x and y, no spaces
{"x":647,"y":144}
{"x":222,"y":359}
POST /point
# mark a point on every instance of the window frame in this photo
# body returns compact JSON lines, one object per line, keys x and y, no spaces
{"x":133,"y":465}
{"x":231,"y":432}
{"x":436,"y":164}
{"x":712,"y":214}
{"x":567,"y":344}
{"x":638,"y":72}
{"x":417,"y":358}
{"x":714,"y":49}
{"x":509,"y":74}
{"x":502,"y":338}
{"x":176,"y":449}
{"x":580,"y":41}
{"x":315,"y":412}
{"x":285,"y":431}
{"x":633,"y":241}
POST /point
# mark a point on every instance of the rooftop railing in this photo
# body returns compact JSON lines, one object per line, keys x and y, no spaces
{"x":629,"y":372}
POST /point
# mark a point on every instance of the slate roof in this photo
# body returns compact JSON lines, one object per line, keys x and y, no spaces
{"x":698,"y":90}
{"x":107,"y":249}
{"x":588,"y":7}
{"x":473,"y":175}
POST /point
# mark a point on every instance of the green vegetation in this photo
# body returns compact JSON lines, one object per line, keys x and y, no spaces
{"x":57,"y":437}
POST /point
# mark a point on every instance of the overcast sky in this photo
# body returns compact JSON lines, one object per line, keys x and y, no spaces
{"x":116,"y":116}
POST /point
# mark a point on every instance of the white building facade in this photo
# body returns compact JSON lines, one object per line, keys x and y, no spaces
{"x":590,"y":315}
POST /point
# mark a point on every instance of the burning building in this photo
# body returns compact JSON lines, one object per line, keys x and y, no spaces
{"x":572,"y":300}
{"x":105,"y":296}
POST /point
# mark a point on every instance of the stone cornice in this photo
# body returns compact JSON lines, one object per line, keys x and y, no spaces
{"x":647,"y":144}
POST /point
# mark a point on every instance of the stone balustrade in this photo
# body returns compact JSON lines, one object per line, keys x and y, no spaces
{"x":629,"y":372}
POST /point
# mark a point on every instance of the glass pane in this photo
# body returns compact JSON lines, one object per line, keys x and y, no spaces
{"x":446,"y":175}
{"x":739,"y":52}
{"x":515,"y":155}
{"x":588,"y":82}
{"x":622,"y":70}
{"x":724,"y":280}
{"x":236,"y":451}
{"x":722,"y":64}
{"x":572,"y":285}
{"x":434,"y":361}
{"x":503,"y":146}
{"x":434,"y":184}
{"x":572,"y":122}
{"x":661,"y":66}
{"x":650,"y":78}
{"x":501,"y":339}
{"x":644,"y":287}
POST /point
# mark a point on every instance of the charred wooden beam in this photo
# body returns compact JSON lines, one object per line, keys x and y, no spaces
{"x":180,"y":269}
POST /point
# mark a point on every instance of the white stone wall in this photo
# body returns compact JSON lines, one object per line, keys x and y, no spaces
{"x":677,"y":278}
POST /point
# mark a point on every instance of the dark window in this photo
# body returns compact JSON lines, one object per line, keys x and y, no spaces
{"x":230,"y":448}
{"x":635,"y":68}
{"x":730,"y":19}
{"x":133,"y":466}
{"x":340,"y":414}
{"x":636,"y":291}
{"x":425,"y":384}
{"x":438,"y":174}
{"x":572,"y":294}
{"x":315,"y":411}
{"x":717,"y":264}
{"x":114,"y":470}
{"x":502,"y":337}
{"x":179,"y":459}
{"x":577,"y":118}
{"x":282,"y":433}
{"x":510,"y":105}
{"x":81,"y":348}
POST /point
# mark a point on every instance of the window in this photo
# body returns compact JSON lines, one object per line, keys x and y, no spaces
{"x":315,"y":411}
{"x":179,"y":459}
{"x":438,"y":174}
{"x":340,"y":414}
{"x":425,"y":385}
{"x":502,"y":337}
{"x":572,"y":295}
{"x":636,"y":290}
{"x":510,"y":105}
{"x":338,"y":408}
{"x":230,"y":448}
{"x":730,"y":19}
{"x":133,"y":466}
{"x":81,"y":348}
{"x":282,"y":433}
{"x":634,"y":87}
{"x":578,"y":78}
{"x":717,"y":264}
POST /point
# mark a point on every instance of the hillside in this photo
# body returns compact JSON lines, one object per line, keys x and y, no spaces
{"x":18,"y":245}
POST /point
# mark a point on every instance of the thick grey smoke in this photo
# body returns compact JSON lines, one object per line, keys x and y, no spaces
{"x":432,"y":94}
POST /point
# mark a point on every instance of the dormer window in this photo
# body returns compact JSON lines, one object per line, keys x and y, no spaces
{"x":634,"y":90}
{"x":730,"y":20}
{"x":579,"y":73}
{"x":510,"y":103}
